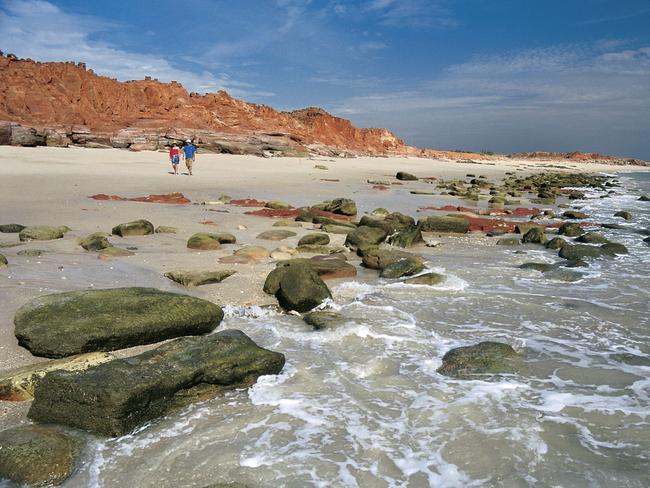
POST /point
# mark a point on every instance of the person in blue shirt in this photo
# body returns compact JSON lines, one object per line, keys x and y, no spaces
{"x":189,"y":154}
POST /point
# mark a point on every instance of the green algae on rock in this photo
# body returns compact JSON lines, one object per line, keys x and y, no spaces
{"x":63,"y":324}
{"x":484,"y":358}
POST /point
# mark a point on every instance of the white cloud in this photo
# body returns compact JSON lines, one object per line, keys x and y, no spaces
{"x":40,"y":30}
{"x":412,"y":13}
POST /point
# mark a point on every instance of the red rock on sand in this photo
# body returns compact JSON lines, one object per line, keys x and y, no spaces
{"x":247,"y":202}
{"x":284,"y":213}
{"x":171,"y":198}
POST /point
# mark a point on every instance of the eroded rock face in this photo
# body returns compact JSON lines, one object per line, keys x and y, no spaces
{"x":80,"y":107}
{"x":63,"y":324}
{"x":36,"y":455}
{"x":115,"y":397}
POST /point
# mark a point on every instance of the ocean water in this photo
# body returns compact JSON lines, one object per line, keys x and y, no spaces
{"x":363,"y":406}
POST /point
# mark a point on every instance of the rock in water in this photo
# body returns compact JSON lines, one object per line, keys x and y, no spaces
{"x":479,"y":359}
{"x":135,"y":228}
{"x":323,"y":319}
{"x":42,"y":233}
{"x":18,"y":385}
{"x":570,"y":230}
{"x":95,"y":242}
{"x":426,"y":279}
{"x":301,"y":289}
{"x":534,"y":235}
{"x":580,"y":251}
{"x":404,"y":176}
{"x":592,"y":238}
{"x":574,"y":214}
{"x":36,"y":455}
{"x":508,"y":241}
{"x":624,"y":215}
{"x":75,"y":322}
{"x":316,"y":238}
{"x":403,"y":267}
{"x":11,"y":228}
{"x":115,"y":397}
{"x":613,"y":248}
{"x":198,"y":278}
{"x":556,"y":243}
{"x":380,"y":258}
{"x":541,"y":267}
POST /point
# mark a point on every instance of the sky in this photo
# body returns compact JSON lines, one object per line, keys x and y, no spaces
{"x":482,"y":75}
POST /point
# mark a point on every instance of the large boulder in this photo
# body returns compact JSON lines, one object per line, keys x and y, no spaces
{"x":426,"y":279}
{"x":63,"y":324}
{"x":613,"y":248}
{"x":332,"y":266}
{"x":447,"y":223}
{"x":11,"y":228}
{"x":42,"y":232}
{"x":323,"y":319}
{"x":364,"y":236}
{"x":574,"y":214}
{"x":18,"y":385}
{"x":403,"y":267}
{"x":580,"y":251}
{"x":391,"y":223}
{"x":36,"y":455}
{"x":624,"y":215}
{"x":198,"y":278}
{"x":301,"y":289}
{"x":95,"y":242}
{"x":341,"y":206}
{"x":380,"y":258}
{"x":484,"y":358}
{"x":556,"y":243}
{"x":592,"y":238}
{"x":134,"y":228}
{"x":337,"y":229}
{"x":115,"y":397}
{"x":409,"y":237}
{"x":203,"y":241}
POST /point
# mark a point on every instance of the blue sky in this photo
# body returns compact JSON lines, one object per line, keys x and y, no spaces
{"x":501,"y":75}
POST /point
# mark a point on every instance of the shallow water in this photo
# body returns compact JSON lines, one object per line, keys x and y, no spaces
{"x":362,"y":405}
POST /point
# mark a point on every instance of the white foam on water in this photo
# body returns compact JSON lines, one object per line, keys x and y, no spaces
{"x":252,"y":312}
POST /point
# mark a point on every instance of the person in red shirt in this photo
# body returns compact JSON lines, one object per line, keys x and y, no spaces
{"x":175,"y":157}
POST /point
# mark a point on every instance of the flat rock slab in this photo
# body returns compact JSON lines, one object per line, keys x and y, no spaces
{"x":19,"y":384}
{"x":36,"y":455}
{"x":76,"y":322}
{"x":115,"y":397}
{"x":42,"y":233}
{"x":276,"y":235}
{"x":198,"y":278}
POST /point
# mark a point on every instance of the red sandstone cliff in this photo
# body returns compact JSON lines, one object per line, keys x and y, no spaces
{"x":68,"y":99}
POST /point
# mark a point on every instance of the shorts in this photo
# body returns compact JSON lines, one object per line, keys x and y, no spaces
{"x":188,"y":162}
{"x":175,"y":160}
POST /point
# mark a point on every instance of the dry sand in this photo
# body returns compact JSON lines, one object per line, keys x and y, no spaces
{"x":51,"y":186}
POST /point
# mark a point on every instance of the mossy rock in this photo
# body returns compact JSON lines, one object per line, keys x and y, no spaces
{"x":3,"y":261}
{"x":563,"y":274}
{"x":426,"y":279}
{"x":341,"y":206}
{"x":391,"y":223}
{"x":277,"y":204}
{"x":509,"y":241}
{"x":556,"y":243}
{"x":166,"y":229}
{"x":114,"y":398}
{"x":580,"y":251}
{"x":458,"y":225}
{"x":375,"y":258}
{"x":644,"y":198}
{"x":42,"y":233}
{"x":135,"y":228}
{"x":484,"y":358}
{"x":323,"y":319}
{"x":403,"y":267}
{"x":276,"y":235}
{"x":364,"y":236}
{"x":287,"y":223}
{"x":301,"y":289}
{"x":315,"y":238}
{"x":95,"y":242}
{"x":535,"y":235}
{"x":570,"y":229}
{"x":574,"y":214}
{"x":410,"y":237}
{"x":613,"y":248}
{"x":337,"y":229}
{"x":203,"y":241}
{"x":523,"y":228}
{"x":198,"y":278}
{"x":541,"y":267}
{"x":63,"y":324}
{"x":624,"y":215}
{"x":379,"y":212}
{"x":36,"y":455}
{"x":11,"y":228}
{"x":592,"y":238}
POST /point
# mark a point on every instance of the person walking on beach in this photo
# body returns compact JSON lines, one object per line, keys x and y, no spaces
{"x":189,"y":154}
{"x":175,"y":157}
